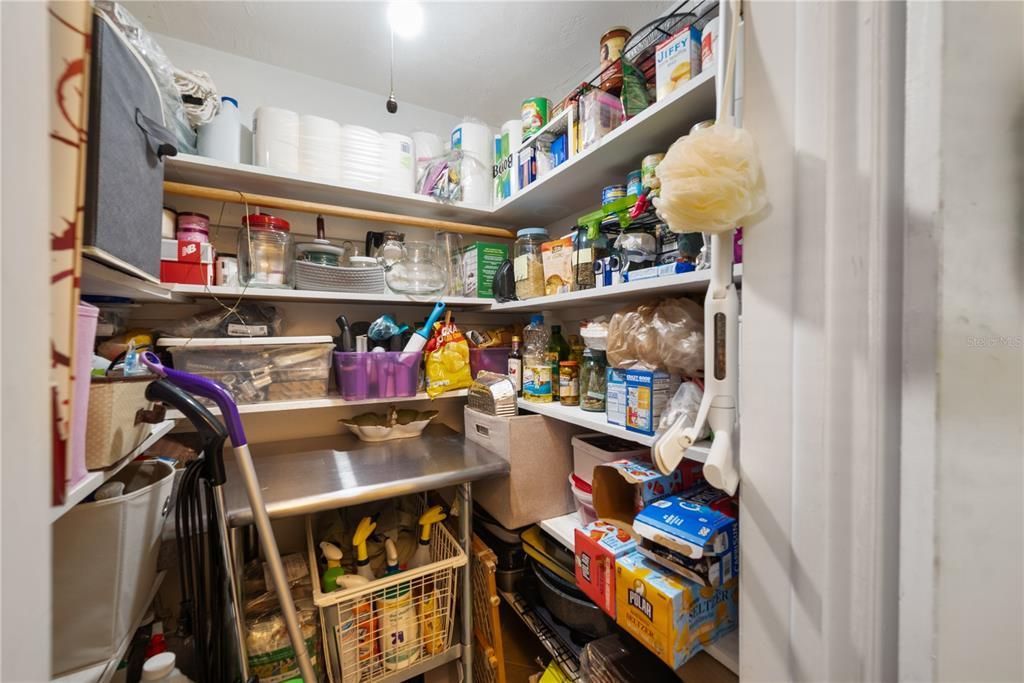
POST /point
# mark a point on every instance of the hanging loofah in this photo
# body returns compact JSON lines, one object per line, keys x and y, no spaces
{"x":711,"y":180}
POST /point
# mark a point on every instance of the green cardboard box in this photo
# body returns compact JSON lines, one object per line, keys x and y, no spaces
{"x":480,"y":261}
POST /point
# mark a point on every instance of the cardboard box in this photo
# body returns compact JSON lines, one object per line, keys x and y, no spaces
{"x":625,"y":487}
{"x":677,"y":60}
{"x":598,"y":545}
{"x":615,"y":396}
{"x":186,"y":262}
{"x":674,"y":618}
{"x":647,"y":394}
{"x":480,"y":262}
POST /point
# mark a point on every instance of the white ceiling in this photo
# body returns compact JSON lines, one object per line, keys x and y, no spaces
{"x":476,"y":58}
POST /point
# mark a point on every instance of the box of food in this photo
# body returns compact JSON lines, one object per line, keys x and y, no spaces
{"x":674,"y":618}
{"x":598,"y":545}
{"x":480,"y":262}
{"x":625,"y":487}
{"x":186,"y":262}
{"x":557,"y":258}
{"x":647,"y":394}
{"x":615,"y":396}
{"x":677,"y":60}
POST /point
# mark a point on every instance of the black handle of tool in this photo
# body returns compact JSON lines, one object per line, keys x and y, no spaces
{"x":212,"y":433}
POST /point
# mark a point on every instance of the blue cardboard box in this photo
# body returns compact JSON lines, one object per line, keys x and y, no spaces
{"x":692,"y":530}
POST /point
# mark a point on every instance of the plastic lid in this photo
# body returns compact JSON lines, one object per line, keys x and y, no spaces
{"x":580,"y":484}
{"x":526,"y":232}
{"x":158,"y":666}
{"x":232,"y":100}
{"x":536,"y":318}
{"x":264,"y":221}
{"x":569,"y":363}
{"x":193,"y":213}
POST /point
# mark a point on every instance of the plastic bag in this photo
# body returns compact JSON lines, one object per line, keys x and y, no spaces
{"x":684,"y":406}
{"x":175,"y":117}
{"x":595,"y":333}
{"x":664,"y":335}
{"x":244,"y":320}
{"x":614,"y":659}
{"x":271,"y":656}
{"x":447,"y":359}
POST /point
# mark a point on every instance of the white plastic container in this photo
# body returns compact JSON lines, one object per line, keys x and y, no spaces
{"x":400,"y":628}
{"x":275,"y":139}
{"x":221,"y":138}
{"x":161,"y":669}
{"x":399,"y":164}
{"x":258,"y":369}
{"x":104,"y":565}
{"x":584,"y":497}
{"x":591,"y":450}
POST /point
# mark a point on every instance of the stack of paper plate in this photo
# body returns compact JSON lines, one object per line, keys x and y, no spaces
{"x":320,"y":278}
{"x":362,"y":155}
{"x":399,"y":164}
{"x":320,"y":148}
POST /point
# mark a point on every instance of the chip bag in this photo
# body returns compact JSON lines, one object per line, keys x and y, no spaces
{"x":447,"y":359}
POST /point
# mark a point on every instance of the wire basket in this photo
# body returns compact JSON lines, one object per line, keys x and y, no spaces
{"x":374,"y":632}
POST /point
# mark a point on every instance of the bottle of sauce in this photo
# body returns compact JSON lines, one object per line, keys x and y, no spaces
{"x":515,"y":366}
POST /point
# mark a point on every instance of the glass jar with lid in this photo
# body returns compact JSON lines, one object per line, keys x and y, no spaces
{"x":593,"y":380}
{"x":588,"y":247}
{"x":527,"y":262}
{"x":266,"y":252}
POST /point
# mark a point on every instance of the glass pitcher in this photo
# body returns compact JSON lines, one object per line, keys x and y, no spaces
{"x":418,"y":271}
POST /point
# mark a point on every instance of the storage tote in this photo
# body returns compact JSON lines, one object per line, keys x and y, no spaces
{"x":117,"y":420}
{"x":104,"y":566}
{"x":363,"y":375}
{"x":540,"y":461}
{"x":591,"y":450}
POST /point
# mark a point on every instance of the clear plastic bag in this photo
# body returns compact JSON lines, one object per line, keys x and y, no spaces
{"x":663,"y":335}
{"x":684,"y":406}
{"x":244,"y":320}
{"x":614,"y":659}
{"x":175,"y":116}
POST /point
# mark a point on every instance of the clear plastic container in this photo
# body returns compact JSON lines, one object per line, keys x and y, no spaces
{"x":537,"y":379}
{"x":492,"y":360}
{"x":362,"y":375}
{"x":259,"y":368}
{"x":266,"y":252}
{"x":528,"y":263}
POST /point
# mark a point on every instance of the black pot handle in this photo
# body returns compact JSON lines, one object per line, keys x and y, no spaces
{"x":161,"y":141}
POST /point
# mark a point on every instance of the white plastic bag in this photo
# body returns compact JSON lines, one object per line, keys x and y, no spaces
{"x":684,"y":406}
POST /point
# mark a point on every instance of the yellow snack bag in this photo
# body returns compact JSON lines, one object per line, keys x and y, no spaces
{"x":446,"y":356}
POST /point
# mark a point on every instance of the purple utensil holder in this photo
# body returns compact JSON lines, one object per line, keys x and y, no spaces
{"x":376,"y":375}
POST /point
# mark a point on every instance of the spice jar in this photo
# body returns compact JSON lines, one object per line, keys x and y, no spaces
{"x":266,"y":252}
{"x":593,"y":380}
{"x":193,"y":227}
{"x":527,"y":262}
{"x":569,"y":383}
{"x":587,"y":250}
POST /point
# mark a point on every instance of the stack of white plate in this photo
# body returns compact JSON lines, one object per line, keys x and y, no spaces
{"x":275,"y":134}
{"x":321,"y":278}
{"x":399,"y":164}
{"x":362,"y":151}
{"x":320,"y":148}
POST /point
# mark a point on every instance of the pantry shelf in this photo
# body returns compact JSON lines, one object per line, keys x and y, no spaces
{"x":94,"y":480}
{"x":301,"y":295}
{"x":683,"y":283}
{"x":563,"y":528}
{"x":326,"y":402}
{"x":574,"y":186}
{"x":598,"y":423}
{"x":196,"y":170}
{"x":726,"y":651}
{"x":100,"y":279}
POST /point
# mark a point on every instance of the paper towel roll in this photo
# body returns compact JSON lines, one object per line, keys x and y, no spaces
{"x":476,"y":141}
{"x":514,"y":130}
{"x":276,"y":139}
{"x":399,"y":166}
{"x":506,"y":175}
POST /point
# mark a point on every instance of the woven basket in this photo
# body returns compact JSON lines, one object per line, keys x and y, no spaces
{"x":115,"y":428}
{"x":317,"y":277}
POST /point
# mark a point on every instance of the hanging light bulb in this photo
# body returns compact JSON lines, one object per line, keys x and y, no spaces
{"x":405,"y":18}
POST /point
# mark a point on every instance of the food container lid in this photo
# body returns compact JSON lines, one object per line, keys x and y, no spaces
{"x":202,"y":342}
{"x":528,"y":232}
{"x":569,"y":363}
{"x":262,"y":221}
{"x":362,"y":262}
{"x":319,"y":247}
{"x":193,"y":213}
{"x":614,"y":30}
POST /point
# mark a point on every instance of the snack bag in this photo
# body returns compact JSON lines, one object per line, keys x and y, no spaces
{"x":447,"y":359}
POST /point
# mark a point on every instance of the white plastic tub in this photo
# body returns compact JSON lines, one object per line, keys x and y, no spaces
{"x":582,"y":493}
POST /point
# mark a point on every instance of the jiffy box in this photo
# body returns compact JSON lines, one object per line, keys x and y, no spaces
{"x":625,"y":487}
{"x":684,"y":534}
{"x":674,"y":618}
{"x":598,"y":545}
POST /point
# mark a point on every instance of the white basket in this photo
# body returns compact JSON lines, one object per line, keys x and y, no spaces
{"x":323,"y":278}
{"x":355,"y":622}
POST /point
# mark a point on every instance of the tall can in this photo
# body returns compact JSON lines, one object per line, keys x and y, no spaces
{"x":535,"y":115}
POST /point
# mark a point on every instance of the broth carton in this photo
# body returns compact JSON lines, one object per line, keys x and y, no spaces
{"x":673,"y":617}
{"x":598,"y":545}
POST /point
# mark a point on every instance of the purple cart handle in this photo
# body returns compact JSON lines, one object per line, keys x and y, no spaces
{"x":207,"y":388}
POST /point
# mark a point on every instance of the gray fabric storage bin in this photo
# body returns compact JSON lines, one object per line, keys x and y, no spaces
{"x":104,"y":566}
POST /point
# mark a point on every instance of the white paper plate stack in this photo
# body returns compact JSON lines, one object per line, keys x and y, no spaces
{"x":275,"y":139}
{"x":320,"y":148}
{"x":321,"y":278}
{"x":399,"y":164}
{"x":362,"y":151}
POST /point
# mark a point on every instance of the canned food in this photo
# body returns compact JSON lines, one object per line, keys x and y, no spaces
{"x":634,"y":184}
{"x":647,"y":171}
{"x":612,"y":193}
{"x":535,"y":115}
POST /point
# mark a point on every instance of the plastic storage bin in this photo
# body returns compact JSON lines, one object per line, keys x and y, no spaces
{"x":355,"y":621}
{"x":115,"y":426}
{"x":104,"y":566}
{"x":491,"y":360}
{"x":362,"y":375}
{"x":81,"y":371}
{"x":591,"y":450}
{"x":258,"y":368}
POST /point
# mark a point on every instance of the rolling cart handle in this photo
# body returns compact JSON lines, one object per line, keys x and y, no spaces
{"x":207,"y":388}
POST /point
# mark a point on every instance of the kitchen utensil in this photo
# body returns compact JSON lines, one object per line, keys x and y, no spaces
{"x":449,"y":247}
{"x":419,"y":271}
{"x":419,"y":339}
{"x":570,"y":606}
{"x":493,"y":394}
{"x":343,"y":342}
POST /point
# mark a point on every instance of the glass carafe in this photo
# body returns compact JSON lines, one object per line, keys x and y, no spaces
{"x":419,"y":271}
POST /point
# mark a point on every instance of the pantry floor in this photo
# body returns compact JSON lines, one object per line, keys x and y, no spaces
{"x":521,"y":648}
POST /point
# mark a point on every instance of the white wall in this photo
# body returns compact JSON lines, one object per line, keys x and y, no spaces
{"x":961,"y":619}
{"x":25,"y":467}
{"x":254,"y":84}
